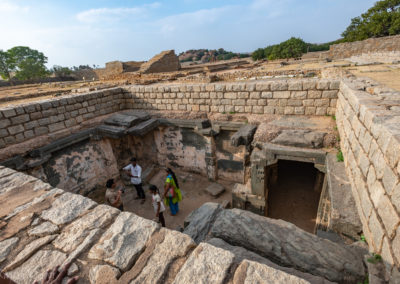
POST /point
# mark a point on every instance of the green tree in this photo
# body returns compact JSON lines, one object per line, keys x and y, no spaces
{"x":24,"y":62}
{"x":61,"y":72}
{"x":258,"y":54}
{"x":383,"y":19}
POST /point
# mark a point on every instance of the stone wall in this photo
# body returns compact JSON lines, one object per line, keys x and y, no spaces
{"x":23,"y":122}
{"x":368,"y":122}
{"x":291,"y":97}
{"x":166,"y":61}
{"x":371,"y":45}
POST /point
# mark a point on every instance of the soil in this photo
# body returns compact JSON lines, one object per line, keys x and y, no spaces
{"x":192,"y":187}
{"x":293,"y":198}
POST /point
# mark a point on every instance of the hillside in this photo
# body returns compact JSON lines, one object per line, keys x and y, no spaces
{"x":206,"y":55}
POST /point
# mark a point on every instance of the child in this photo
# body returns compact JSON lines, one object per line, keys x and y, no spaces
{"x":159,"y":207}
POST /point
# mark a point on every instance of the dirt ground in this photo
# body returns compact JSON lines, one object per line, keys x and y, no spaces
{"x":193,"y":192}
{"x":293,"y":198}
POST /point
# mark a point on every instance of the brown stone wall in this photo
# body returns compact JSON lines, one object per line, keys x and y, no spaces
{"x":370,"y":141}
{"x":166,"y":61}
{"x":21,"y":123}
{"x":290,"y":97}
{"x":371,"y":45}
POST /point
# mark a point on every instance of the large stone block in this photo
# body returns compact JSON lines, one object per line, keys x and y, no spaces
{"x":123,"y":242}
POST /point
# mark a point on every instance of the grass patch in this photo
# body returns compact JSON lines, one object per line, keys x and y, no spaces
{"x":232,"y":112}
{"x":339,"y":156}
{"x":375,"y":258}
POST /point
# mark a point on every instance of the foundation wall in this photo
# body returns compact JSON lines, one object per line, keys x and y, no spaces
{"x":24,"y":122}
{"x":368,"y":123}
{"x":290,"y":97}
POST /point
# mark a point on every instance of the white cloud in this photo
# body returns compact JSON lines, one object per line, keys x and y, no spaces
{"x":109,"y":14}
{"x":7,"y":7}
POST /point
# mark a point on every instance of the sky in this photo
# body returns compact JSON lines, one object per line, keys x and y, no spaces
{"x":72,"y":33}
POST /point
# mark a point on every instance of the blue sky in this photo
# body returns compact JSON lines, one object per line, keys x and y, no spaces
{"x":71,"y":32}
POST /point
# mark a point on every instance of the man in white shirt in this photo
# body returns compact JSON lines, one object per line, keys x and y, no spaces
{"x":135,"y":172}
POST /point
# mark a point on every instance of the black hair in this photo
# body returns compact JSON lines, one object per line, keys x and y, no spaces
{"x":110,"y":183}
{"x":154,"y":188}
{"x":133,"y":159}
{"x":173,"y":176}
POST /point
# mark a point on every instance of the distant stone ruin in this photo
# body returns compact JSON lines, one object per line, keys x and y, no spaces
{"x":166,"y":61}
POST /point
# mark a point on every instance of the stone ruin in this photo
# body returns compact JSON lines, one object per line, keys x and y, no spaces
{"x":297,"y":213}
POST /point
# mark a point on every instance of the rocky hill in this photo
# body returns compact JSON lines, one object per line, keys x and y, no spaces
{"x":206,"y":55}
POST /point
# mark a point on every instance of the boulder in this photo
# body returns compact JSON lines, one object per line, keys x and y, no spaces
{"x":300,"y":138}
{"x":250,"y":272}
{"x":199,"y":222}
{"x":206,"y":264}
{"x":288,"y":245}
{"x":124,"y":241}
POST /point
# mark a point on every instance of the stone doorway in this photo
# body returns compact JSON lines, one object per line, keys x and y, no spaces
{"x":292,"y":191}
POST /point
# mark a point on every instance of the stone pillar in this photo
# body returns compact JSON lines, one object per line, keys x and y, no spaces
{"x":211,"y":159}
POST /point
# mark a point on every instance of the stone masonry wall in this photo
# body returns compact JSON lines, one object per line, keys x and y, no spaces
{"x":371,"y":45}
{"x":23,"y":122}
{"x":368,"y":122}
{"x":290,"y":97}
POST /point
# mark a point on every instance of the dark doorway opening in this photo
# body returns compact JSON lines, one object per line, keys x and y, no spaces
{"x":293,"y":192}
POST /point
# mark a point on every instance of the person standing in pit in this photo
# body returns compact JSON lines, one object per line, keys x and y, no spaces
{"x":135,"y":172}
{"x":172,"y":193}
{"x":159,"y":207}
{"x":113,"y":196}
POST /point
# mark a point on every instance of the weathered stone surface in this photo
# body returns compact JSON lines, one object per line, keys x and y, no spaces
{"x":174,"y":245}
{"x":206,"y":264}
{"x":6,"y":246}
{"x":122,"y":120}
{"x":215,"y":189}
{"x":103,"y":274}
{"x":288,"y":245}
{"x":76,"y":232}
{"x":67,"y":207}
{"x":166,"y":61}
{"x":144,"y":127}
{"x":244,"y":135}
{"x":300,"y":138}
{"x":122,"y":243}
{"x":87,"y":243}
{"x":46,"y":228}
{"x":111,"y":131}
{"x":244,"y":254}
{"x":37,"y":266}
{"x":250,"y":272}
{"x":29,"y":250}
{"x":199,"y":222}
{"x":344,"y":215}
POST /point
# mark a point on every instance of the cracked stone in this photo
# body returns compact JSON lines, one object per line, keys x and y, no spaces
{"x":46,"y":228}
{"x":6,"y":246}
{"x":103,"y":274}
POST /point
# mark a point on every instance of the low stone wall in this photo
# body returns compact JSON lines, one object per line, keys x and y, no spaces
{"x":290,"y":97}
{"x":23,"y":122}
{"x":368,"y":123}
{"x":348,"y":49}
{"x":380,"y":57}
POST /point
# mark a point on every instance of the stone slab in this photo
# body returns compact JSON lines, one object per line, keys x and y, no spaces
{"x":111,"y":131}
{"x":123,"y":120}
{"x":67,"y":207}
{"x":288,"y":245}
{"x":215,"y":189}
{"x":76,"y":232}
{"x":122,"y":243}
{"x":300,"y":138}
{"x":144,"y":127}
{"x":103,"y":274}
{"x":198,"y":223}
{"x":6,"y":247}
{"x":250,"y":272}
{"x":28,"y":251}
{"x":35,"y":267}
{"x":206,"y":264}
{"x":142,"y":115}
{"x":344,"y":215}
{"x":174,"y":246}
{"x":244,"y":136}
